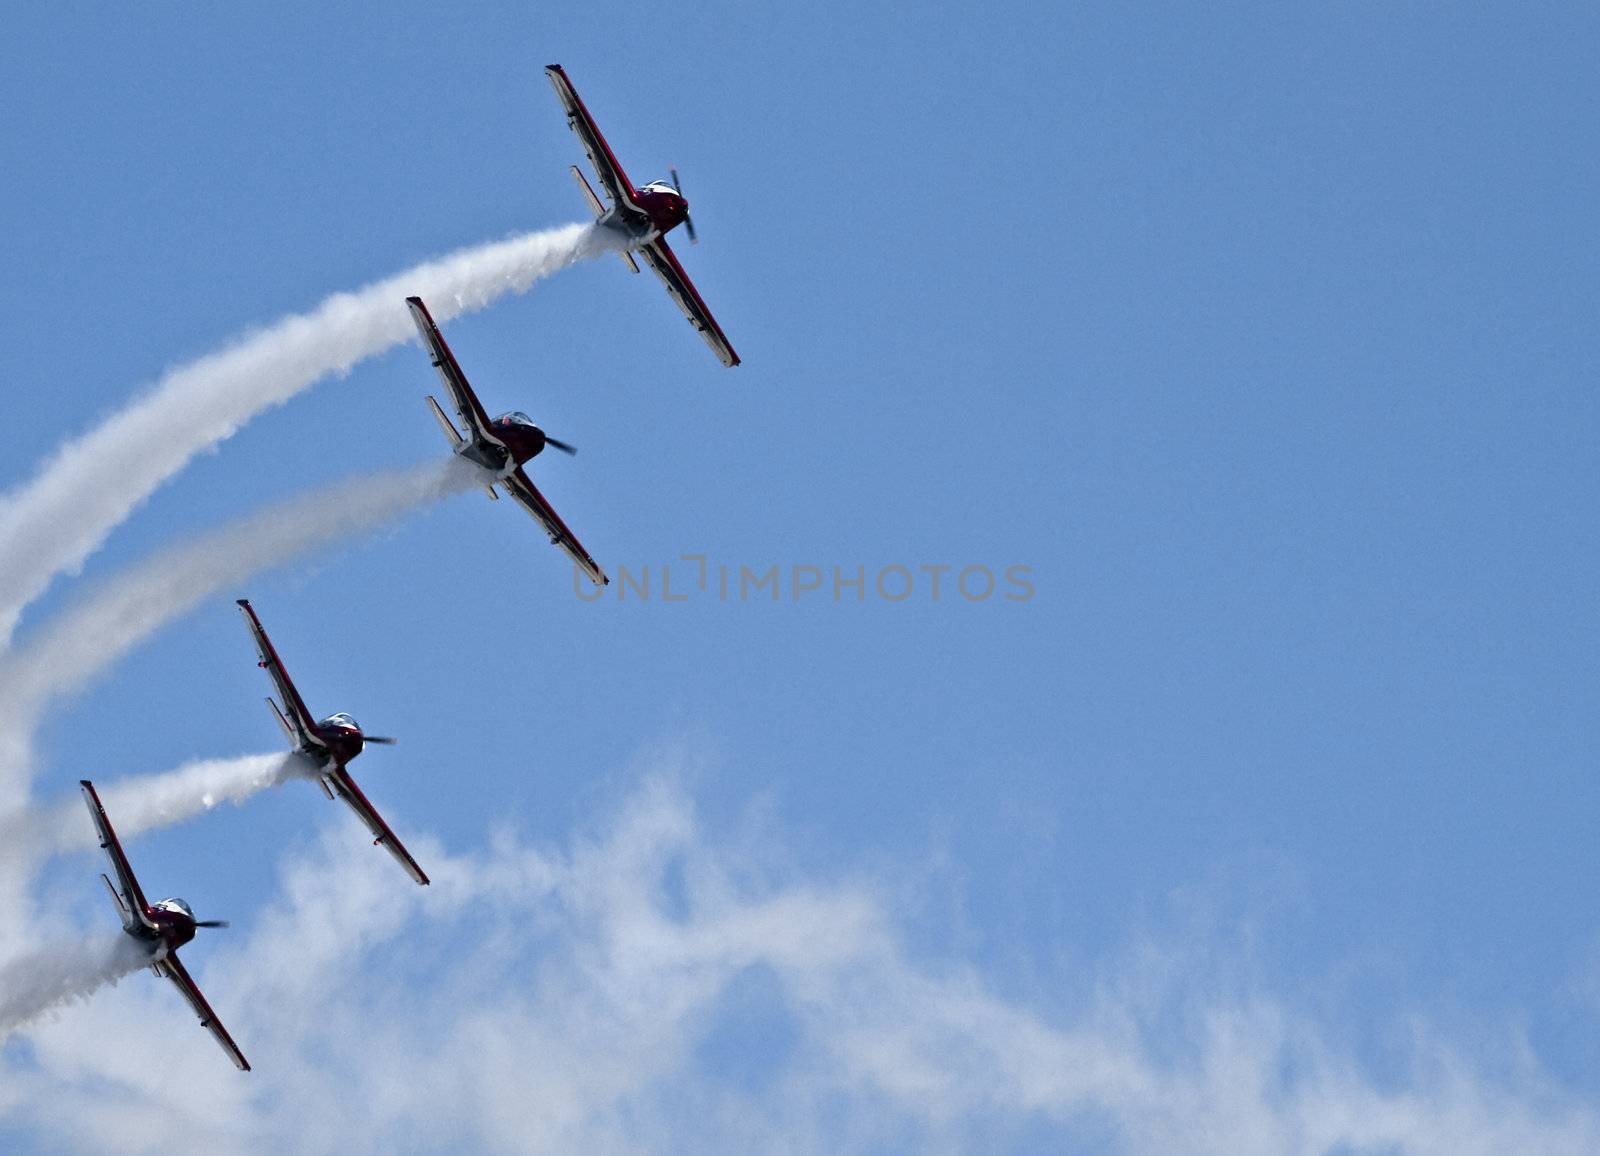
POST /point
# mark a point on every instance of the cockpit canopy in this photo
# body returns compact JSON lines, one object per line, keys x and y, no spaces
{"x":515,"y":417}
{"x":177,"y":905}
{"x":339,"y":720}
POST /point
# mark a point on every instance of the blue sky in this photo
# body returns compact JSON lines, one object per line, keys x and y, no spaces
{"x":1260,"y":337}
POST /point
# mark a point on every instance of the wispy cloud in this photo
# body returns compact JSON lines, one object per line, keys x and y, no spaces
{"x":654,"y":986}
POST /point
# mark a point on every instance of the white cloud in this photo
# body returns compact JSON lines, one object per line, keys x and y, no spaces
{"x":538,"y":999}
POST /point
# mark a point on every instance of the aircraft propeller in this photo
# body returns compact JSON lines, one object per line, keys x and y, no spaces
{"x":556,"y":443}
{"x":211,"y":923}
{"x":688,"y":221}
{"x":384,"y":739}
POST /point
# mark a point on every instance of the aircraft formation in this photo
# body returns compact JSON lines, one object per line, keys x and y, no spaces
{"x":639,"y":217}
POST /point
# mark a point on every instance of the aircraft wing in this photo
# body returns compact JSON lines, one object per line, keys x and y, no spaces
{"x":178,"y":974}
{"x":135,"y":912}
{"x":661,"y":258}
{"x":466,"y":402}
{"x":615,"y":181}
{"x":345,"y":787}
{"x":300,"y":720}
{"x":524,"y":491}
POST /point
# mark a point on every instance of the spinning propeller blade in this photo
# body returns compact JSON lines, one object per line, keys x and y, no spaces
{"x":558,"y":444}
{"x":688,"y":221}
{"x":211,"y":923}
{"x":384,"y":739}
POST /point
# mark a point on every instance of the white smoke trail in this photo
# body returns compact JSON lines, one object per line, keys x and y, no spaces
{"x":127,"y":608}
{"x":53,"y":523}
{"x":45,"y":978}
{"x":143,"y":803}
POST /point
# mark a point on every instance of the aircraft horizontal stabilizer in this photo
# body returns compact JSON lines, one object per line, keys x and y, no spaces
{"x":122,"y":908}
{"x":588,"y":192}
{"x":288,"y":731}
{"x":599,"y":211}
{"x":456,"y":440}
{"x":448,"y":426}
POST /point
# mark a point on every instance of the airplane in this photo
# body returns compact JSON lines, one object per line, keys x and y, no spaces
{"x":500,"y":445}
{"x":160,"y":928}
{"x":643,"y":216}
{"x":328,"y":743}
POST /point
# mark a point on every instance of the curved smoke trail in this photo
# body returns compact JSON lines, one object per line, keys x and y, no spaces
{"x":99,"y":628}
{"x":51,"y":524}
{"x":143,"y":803}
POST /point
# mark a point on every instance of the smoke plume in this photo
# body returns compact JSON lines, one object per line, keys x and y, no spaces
{"x":94,"y":482}
{"x":143,"y":803}
{"x":95,"y":632}
{"x":47,"y":977}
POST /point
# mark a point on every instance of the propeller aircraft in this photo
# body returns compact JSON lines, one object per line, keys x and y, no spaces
{"x":500,"y":445}
{"x":160,"y":928}
{"x":329,"y":744}
{"x":642,"y":216}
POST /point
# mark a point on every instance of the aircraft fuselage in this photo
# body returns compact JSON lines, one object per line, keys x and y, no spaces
{"x":655,"y":211}
{"x":344,"y":740}
{"x":665,"y":207}
{"x":523,"y":441}
{"x":174,"y":928}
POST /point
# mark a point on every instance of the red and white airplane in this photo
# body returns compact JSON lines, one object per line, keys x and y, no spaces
{"x":500,"y":445}
{"x":643,"y":216}
{"x":328,"y":743}
{"x":160,"y":928}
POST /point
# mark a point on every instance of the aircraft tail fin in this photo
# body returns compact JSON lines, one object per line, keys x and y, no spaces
{"x":600,"y":212}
